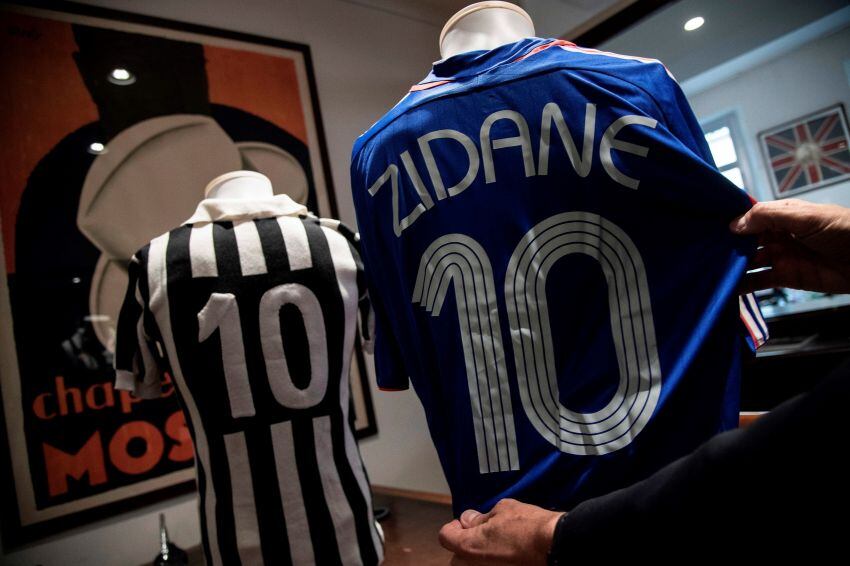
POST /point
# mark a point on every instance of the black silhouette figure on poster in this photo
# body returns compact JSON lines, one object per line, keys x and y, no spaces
{"x":80,"y":213}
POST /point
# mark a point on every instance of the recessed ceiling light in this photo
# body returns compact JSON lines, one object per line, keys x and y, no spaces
{"x":121,"y":76}
{"x":96,"y":148}
{"x":694,"y":23}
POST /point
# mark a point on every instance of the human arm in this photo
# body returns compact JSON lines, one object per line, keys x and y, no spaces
{"x":777,"y":483}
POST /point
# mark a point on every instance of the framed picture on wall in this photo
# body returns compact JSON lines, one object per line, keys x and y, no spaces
{"x":97,"y":102}
{"x":807,"y":153}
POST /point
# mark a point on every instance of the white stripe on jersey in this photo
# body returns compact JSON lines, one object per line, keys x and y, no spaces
{"x":341,"y":514}
{"x":330,"y":223}
{"x":289,"y":481}
{"x":150,"y":387}
{"x":757,"y":316}
{"x":244,"y":508}
{"x":251,"y":257}
{"x":346,"y":275}
{"x":201,"y":252}
{"x":158,"y":302}
{"x":750,"y":323}
{"x":353,"y":455}
{"x":590,"y":51}
{"x":295,"y":240}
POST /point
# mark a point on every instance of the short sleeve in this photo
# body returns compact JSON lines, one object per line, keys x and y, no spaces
{"x":756,"y":332}
{"x":137,"y":365}
{"x":680,"y":120}
{"x":365,"y":315}
{"x":372,"y":322}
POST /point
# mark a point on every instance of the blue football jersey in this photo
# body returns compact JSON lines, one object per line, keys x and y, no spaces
{"x":546,"y":241}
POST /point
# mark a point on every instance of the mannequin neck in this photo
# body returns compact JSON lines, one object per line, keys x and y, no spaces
{"x":240,"y":185}
{"x":484,"y":26}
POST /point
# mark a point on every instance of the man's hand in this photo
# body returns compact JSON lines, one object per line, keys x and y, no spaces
{"x":805,"y":245}
{"x":512,"y":533}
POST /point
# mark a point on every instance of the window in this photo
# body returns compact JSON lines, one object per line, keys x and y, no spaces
{"x":727,"y":148}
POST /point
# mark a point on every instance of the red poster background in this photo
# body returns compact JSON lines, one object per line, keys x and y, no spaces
{"x":82,"y":437}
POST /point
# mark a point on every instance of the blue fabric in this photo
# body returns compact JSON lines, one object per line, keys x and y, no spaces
{"x":677,"y":219}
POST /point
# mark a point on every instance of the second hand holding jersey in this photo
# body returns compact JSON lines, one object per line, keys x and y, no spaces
{"x":547,"y":246}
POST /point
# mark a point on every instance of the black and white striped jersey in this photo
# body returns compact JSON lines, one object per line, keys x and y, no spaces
{"x":252,"y":306}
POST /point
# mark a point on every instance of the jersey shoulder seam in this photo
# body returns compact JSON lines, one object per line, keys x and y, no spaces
{"x":474,"y":85}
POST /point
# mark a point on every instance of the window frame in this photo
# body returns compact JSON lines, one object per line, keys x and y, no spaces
{"x":730,"y":120}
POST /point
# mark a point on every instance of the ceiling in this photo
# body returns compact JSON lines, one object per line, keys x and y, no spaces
{"x":566,"y":18}
{"x":552,"y":18}
{"x":732,"y":28}
{"x":434,"y":12}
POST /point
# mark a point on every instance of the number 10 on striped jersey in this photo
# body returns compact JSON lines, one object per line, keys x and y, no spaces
{"x":459,"y":260}
{"x":222,"y":313}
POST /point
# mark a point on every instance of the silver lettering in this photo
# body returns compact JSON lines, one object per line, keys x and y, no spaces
{"x":399,"y":225}
{"x":434,"y":171}
{"x":523,"y":140}
{"x":610,"y":142}
{"x":581,"y":164}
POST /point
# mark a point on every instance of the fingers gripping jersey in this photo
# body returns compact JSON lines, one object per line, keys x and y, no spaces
{"x":545,"y":237}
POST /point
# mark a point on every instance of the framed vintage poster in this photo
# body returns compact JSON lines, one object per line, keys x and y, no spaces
{"x":808,"y":153}
{"x":97,"y":103}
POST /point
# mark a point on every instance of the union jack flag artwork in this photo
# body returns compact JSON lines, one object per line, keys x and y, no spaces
{"x":808,"y":153}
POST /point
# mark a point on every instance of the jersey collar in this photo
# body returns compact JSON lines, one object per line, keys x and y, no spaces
{"x":215,"y":209}
{"x":473,"y":63}
{"x":457,"y":71}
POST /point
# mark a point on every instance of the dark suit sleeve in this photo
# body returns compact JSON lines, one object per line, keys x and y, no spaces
{"x":775,"y":484}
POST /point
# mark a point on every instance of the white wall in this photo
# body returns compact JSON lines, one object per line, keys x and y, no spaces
{"x":365,"y":60}
{"x":792,"y":85}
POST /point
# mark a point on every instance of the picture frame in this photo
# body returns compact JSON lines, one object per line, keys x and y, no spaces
{"x":60,"y":463}
{"x":807,"y":153}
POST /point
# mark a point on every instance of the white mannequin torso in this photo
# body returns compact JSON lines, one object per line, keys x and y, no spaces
{"x":241,"y":185}
{"x":484,"y":26}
